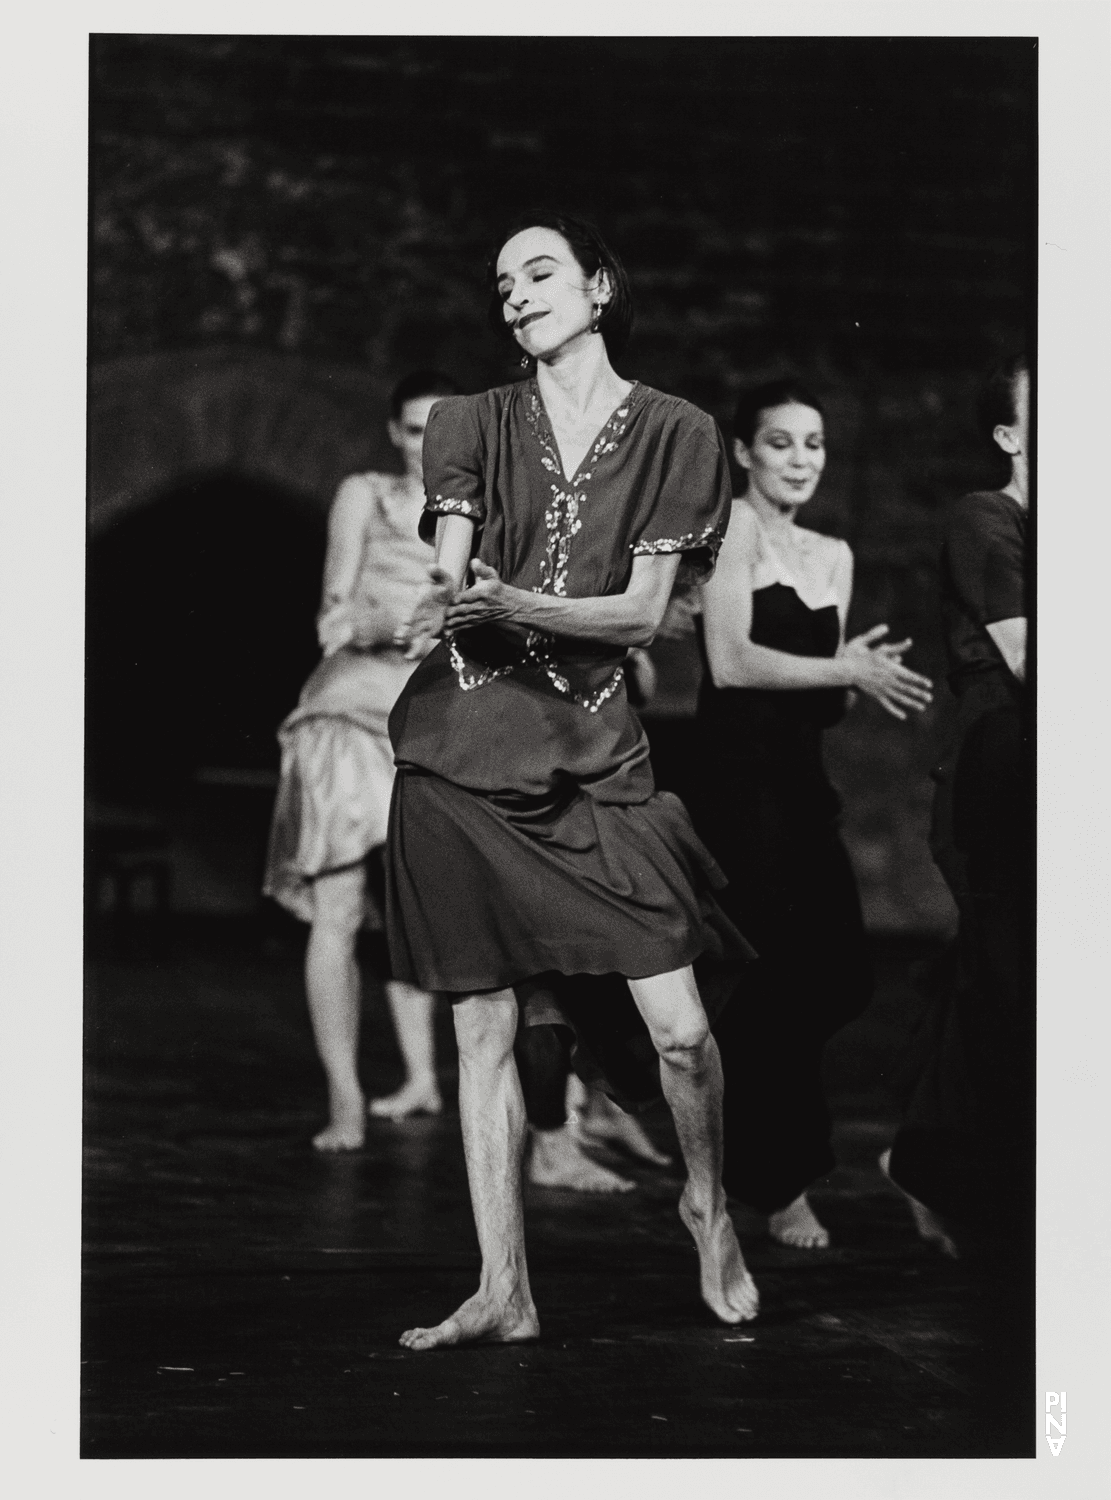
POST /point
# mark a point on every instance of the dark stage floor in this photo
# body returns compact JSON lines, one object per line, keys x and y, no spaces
{"x":243,"y":1296}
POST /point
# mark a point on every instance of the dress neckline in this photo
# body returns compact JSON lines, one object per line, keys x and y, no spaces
{"x":786,"y":574}
{"x":616,"y":417}
{"x":396,"y":499}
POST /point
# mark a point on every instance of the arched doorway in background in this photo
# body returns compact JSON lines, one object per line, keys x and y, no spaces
{"x":199,"y":635}
{"x":210,"y":475}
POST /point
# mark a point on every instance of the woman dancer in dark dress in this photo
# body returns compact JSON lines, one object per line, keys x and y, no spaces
{"x":965,"y":1153}
{"x":774,"y":620}
{"x":528,"y":849}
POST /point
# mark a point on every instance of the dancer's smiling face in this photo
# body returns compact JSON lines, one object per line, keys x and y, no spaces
{"x":787,"y":454}
{"x":547,"y":298}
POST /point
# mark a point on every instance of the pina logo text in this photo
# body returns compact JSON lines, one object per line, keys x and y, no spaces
{"x":1056,"y":1441}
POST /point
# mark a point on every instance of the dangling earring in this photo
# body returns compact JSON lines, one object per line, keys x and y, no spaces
{"x":596,"y":317}
{"x":526,"y":360}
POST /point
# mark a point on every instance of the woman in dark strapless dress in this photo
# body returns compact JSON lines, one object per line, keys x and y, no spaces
{"x":778,"y":670}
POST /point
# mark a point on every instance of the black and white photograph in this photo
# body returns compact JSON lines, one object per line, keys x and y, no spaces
{"x":556,"y":617}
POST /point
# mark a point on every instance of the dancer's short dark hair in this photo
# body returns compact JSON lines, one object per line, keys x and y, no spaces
{"x":421,"y":383}
{"x":758,"y":398}
{"x":995,"y":405}
{"x":615,"y":321}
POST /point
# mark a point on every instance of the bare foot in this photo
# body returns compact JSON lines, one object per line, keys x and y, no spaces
{"x":557,"y":1160}
{"x":483,"y":1319}
{"x":727,"y":1288}
{"x":602,"y":1122}
{"x":346,"y":1130}
{"x":417,"y":1097}
{"x":796,"y":1225}
{"x":927,"y":1223}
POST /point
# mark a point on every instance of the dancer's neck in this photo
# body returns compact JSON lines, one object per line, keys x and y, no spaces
{"x":778,"y":519}
{"x":1018,"y":489}
{"x":579,"y":378}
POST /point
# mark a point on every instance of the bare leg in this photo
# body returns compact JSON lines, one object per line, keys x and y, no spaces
{"x":492,"y":1113}
{"x":333,"y":988}
{"x":690,"y":1072}
{"x":412,"y":1012}
{"x":598,"y":1119}
{"x":927,"y":1223}
{"x":798,"y":1225}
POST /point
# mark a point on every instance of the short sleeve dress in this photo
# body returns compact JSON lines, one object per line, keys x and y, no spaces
{"x":333,"y":800}
{"x":528,"y":846}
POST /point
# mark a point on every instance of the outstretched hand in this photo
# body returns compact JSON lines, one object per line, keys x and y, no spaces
{"x":878,"y":670}
{"x":488,"y":598}
{"x":426,"y":619}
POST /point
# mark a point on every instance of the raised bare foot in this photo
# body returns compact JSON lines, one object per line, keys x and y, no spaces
{"x":483,"y":1319}
{"x":601,"y":1121}
{"x":557,"y":1160}
{"x":346,"y":1130}
{"x":417,"y":1097}
{"x":796,"y":1225}
{"x":927,"y":1223}
{"x":727,"y":1288}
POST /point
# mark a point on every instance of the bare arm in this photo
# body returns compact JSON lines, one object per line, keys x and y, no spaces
{"x":454,"y":541}
{"x":454,"y":544}
{"x":628,"y":619}
{"x":347,"y":521}
{"x":737,"y":661}
{"x":336,"y":622}
{"x":1010,"y":637}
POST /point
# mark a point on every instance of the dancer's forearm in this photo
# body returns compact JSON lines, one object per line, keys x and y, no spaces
{"x":627,"y":619}
{"x":744,"y":664}
{"x":617,"y":619}
{"x":454,"y":545}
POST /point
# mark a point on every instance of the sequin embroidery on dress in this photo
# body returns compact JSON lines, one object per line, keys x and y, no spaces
{"x":562,"y":523}
{"x":709,"y":536}
{"x":446,"y":505}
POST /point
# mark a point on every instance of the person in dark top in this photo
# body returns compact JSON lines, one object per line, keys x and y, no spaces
{"x":964,"y":1154}
{"x":531,"y":859}
{"x":778,"y":669}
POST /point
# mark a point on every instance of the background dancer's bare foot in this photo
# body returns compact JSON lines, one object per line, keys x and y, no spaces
{"x":927,"y":1223}
{"x":417,"y":1097}
{"x":727,"y":1288}
{"x":600,"y":1121}
{"x":797,"y":1225}
{"x":346,"y":1130}
{"x":556,"y":1160}
{"x":483,"y":1319}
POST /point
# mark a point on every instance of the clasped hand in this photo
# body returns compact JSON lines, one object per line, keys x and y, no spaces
{"x":442,"y":609}
{"x":877,"y":668}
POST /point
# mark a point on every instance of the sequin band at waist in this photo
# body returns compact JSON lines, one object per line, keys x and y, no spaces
{"x":583,"y":679}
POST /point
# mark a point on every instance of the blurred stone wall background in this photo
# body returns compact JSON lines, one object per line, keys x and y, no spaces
{"x":281,"y":225}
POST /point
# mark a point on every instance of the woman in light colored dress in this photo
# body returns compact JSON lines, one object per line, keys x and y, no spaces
{"x":337,"y":772}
